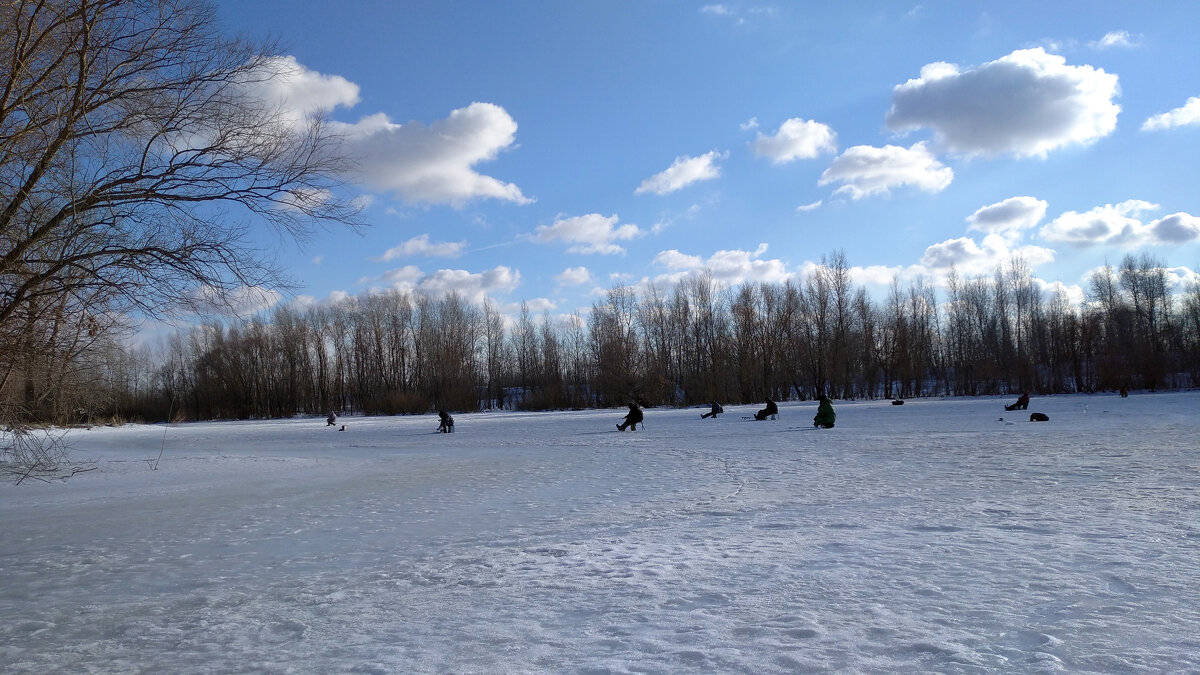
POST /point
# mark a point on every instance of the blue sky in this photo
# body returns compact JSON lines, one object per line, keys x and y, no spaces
{"x":548,"y":151}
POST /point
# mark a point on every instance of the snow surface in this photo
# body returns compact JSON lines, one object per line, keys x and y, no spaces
{"x":932,"y":536}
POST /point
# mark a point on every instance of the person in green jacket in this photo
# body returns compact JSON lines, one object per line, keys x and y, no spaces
{"x":825,"y":414}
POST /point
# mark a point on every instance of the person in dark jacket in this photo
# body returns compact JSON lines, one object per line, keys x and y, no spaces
{"x":770,"y":411}
{"x":631,"y":419}
{"x":331,"y":420}
{"x":445,"y":423}
{"x":716,"y":410}
{"x":1021,"y":404}
{"x":825,"y":416}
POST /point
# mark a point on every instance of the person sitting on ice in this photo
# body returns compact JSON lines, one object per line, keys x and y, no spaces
{"x":631,"y":419}
{"x":770,"y":411}
{"x":331,"y":420}
{"x":716,"y":410}
{"x":1021,"y":404}
{"x":446,"y":423}
{"x":825,"y":416}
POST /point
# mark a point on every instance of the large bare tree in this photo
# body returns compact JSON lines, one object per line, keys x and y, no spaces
{"x":135,"y":160}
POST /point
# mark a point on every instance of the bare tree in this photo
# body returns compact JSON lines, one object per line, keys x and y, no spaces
{"x":923,"y":335}
{"x":869,"y":346}
{"x":653,"y":319}
{"x":1189,"y":332}
{"x":132,"y":150}
{"x":578,"y":367}
{"x":893,"y":342}
{"x":526,"y":349}
{"x":493,"y":355}
{"x":747,"y":343}
{"x":613,"y":341}
{"x":552,"y":359}
{"x":700,"y":314}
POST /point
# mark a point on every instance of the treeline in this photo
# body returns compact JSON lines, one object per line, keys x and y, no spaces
{"x":135,"y":118}
{"x":688,"y":343}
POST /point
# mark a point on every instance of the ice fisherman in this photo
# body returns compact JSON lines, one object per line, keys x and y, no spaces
{"x":1021,"y":404}
{"x":825,"y":416}
{"x":768,"y":411}
{"x":331,"y":420}
{"x":632,"y":418}
{"x":716,"y":410}
{"x":445,"y":423}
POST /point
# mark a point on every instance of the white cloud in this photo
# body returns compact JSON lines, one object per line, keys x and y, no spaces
{"x":867,"y":170}
{"x":718,"y":10}
{"x":297,"y":93}
{"x":971,"y":258}
{"x":535,"y":306}
{"x":592,"y":233}
{"x":1025,"y":104}
{"x":1177,"y":228}
{"x":306,"y":301}
{"x":1074,"y":292}
{"x":1114,"y":38}
{"x":876,"y":275}
{"x":1182,"y":278}
{"x":402,"y":278}
{"x":574,"y":276}
{"x":1111,"y":223}
{"x":1009,"y":216}
{"x":420,"y":245}
{"x":749,"y":125}
{"x":952,"y":252}
{"x":796,"y":138}
{"x":683,"y":172}
{"x":473,"y":286}
{"x":1186,"y":115}
{"x":434,"y":164}
{"x":729,"y":267}
{"x":242,"y":301}
{"x":421,"y":164}
{"x":674,"y":260}
{"x":872,"y":275}
{"x":811,"y":206}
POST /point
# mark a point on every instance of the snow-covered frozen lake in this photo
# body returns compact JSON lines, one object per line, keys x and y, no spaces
{"x":925,"y":537}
